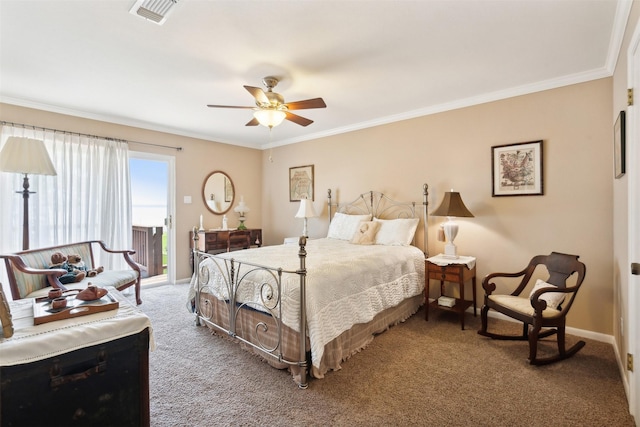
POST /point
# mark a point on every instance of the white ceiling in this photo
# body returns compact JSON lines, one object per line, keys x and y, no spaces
{"x":373,"y":62}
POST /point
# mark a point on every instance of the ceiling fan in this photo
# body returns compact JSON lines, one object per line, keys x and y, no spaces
{"x":271,"y":110}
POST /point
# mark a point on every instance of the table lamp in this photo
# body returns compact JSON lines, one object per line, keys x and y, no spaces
{"x":451,"y":207}
{"x":242,"y":209}
{"x":305,"y":211}
{"x":26,"y":156}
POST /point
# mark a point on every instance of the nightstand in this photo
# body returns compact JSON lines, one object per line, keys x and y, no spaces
{"x":455,"y":270}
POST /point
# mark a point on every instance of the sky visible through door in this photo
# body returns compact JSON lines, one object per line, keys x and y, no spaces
{"x":148,"y":192}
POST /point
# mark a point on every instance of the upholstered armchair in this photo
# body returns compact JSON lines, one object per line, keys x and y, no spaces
{"x":544,"y":309}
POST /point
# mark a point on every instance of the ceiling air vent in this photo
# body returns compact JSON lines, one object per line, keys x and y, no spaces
{"x":153,"y":10}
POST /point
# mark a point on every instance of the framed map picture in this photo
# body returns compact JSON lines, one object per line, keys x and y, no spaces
{"x":301,"y":183}
{"x":516,"y":169}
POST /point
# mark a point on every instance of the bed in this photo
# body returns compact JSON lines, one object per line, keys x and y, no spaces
{"x":366,"y":275}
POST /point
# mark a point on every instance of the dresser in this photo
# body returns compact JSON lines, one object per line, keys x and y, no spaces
{"x":215,"y":241}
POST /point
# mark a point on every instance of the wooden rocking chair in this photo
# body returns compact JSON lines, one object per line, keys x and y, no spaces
{"x":545,"y":307}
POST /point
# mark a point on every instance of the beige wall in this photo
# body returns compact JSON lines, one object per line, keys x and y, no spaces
{"x":453,"y":150}
{"x":197,"y":159}
{"x":447,"y":150}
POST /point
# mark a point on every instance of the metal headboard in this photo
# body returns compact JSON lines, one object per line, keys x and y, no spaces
{"x":381,"y":206}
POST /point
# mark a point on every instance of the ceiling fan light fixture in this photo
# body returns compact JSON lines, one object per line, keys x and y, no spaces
{"x":269,"y":118}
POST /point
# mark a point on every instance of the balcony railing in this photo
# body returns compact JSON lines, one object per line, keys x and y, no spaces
{"x":147,"y":242}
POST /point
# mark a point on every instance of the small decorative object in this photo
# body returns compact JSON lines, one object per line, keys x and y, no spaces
{"x":59,"y":303}
{"x":77,"y":263}
{"x":60,"y":261}
{"x":201,"y":226}
{"x":452,"y":206}
{"x":225,"y":225}
{"x":516,"y":169}
{"x":305,"y":211}
{"x":619,"y":145}
{"x":54,"y":293}
{"x":301,"y":183}
{"x":446,"y":301}
{"x":91,"y":293}
{"x":242,"y":209}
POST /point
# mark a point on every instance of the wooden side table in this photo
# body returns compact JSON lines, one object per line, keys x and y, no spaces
{"x":454,"y":270}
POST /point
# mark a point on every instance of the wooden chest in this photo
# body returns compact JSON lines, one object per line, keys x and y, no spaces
{"x":101,"y":385}
{"x":90,"y":370}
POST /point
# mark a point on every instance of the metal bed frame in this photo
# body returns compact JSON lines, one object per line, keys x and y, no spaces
{"x":234,"y":272}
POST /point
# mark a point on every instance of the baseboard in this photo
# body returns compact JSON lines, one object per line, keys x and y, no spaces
{"x":596,"y":336}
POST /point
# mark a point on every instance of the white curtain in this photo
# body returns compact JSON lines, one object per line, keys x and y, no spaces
{"x":88,"y":199}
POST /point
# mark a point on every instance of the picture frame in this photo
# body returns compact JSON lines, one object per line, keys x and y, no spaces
{"x":517,"y":169}
{"x":301,"y":183}
{"x":619,"y":145}
{"x":228,"y":190}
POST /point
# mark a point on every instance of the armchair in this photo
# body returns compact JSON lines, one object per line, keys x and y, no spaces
{"x":546,"y":306}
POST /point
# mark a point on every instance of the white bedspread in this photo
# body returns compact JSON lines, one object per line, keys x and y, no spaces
{"x":346,"y":284}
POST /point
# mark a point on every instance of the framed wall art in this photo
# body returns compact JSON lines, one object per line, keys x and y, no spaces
{"x":619,"y":145}
{"x":228,"y":190}
{"x":516,"y":169}
{"x":301,"y":183}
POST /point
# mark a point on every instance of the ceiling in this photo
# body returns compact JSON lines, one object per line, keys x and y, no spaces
{"x":373,"y":62}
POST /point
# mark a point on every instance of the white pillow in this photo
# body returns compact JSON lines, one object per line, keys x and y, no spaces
{"x":344,"y":226}
{"x":396,"y":232}
{"x":553,"y":299}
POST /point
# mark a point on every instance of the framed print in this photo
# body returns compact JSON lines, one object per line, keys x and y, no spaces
{"x":516,"y":169}
{"x":228,"y":190}
{"x":619,"y":142}
{"x":301,"y":183}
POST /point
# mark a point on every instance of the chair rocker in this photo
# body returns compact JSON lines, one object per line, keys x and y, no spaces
{"x":546,"y":306}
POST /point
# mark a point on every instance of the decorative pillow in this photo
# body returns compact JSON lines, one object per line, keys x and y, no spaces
{"x":344,"y":226}
{"x":366,"y":233}
{"x":396,"y":232}
{"x":553,"y":299}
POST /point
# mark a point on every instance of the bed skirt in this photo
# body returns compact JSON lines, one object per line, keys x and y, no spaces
{"x":335,"y":352}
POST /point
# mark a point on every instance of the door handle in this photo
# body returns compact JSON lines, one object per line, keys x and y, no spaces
{"x":635,"y":268}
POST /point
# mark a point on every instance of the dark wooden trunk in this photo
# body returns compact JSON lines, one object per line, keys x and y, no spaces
{"x":102,"y":385}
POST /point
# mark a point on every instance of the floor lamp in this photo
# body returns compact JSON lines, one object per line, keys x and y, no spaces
{"x":25,"y":156}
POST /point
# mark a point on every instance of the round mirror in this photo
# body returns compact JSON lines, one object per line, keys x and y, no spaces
{"x":218,"y":192}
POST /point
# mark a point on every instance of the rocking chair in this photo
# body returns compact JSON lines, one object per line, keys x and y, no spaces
{"x":545,"y":307}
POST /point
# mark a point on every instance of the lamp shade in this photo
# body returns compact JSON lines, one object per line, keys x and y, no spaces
{"x":242,"y":207}
{"x":27,"y":156}
{"x":452,"y":205}
{"x":269,"y":117}
{"x":306,"y":209}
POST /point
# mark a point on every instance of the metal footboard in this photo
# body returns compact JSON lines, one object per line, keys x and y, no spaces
{"x":234,"y":277}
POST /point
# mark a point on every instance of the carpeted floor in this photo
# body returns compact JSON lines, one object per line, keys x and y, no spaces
{"x":416,"y":373}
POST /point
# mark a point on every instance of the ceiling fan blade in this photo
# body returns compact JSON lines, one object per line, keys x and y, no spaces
{"x":302,"y":121}
{"x":253,"y":122}
{"x":306,"y":104}
{"x":258,"y":94}
{"x":229,"y":106}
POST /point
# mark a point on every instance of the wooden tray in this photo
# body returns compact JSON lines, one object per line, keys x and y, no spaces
{"x":43,"y":313}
